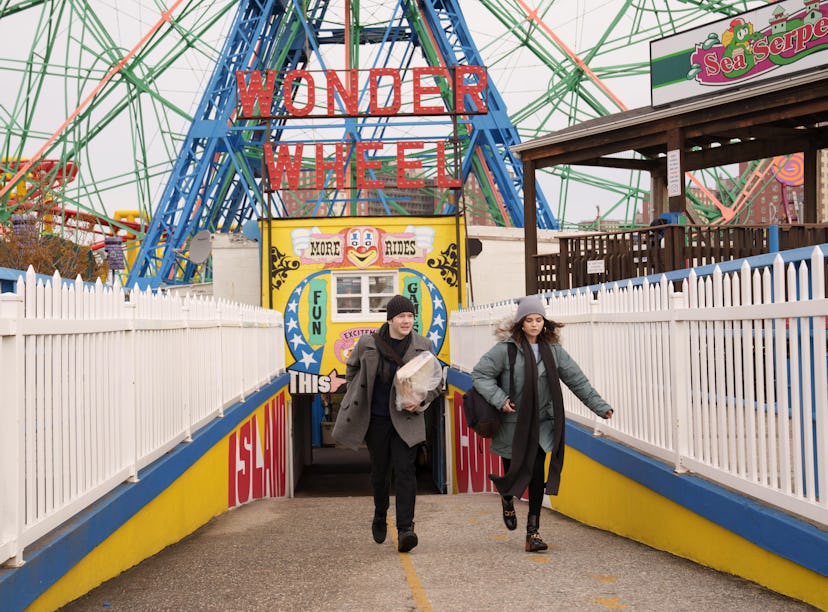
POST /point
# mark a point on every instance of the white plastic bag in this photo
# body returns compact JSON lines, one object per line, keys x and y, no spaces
{"x":416,"y":378}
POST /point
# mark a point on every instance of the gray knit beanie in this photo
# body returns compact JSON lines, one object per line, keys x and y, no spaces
{"x":532,"y":304}
{"x":397,"y":305}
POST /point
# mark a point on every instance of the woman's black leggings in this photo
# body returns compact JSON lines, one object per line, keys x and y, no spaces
{"x":537,"y":484}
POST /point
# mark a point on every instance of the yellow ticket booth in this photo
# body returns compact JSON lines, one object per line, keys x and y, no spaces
{"x":331,"y":277}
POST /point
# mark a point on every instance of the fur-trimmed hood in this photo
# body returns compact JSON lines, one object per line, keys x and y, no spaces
{"x":504,"y":327}
{"x":503,"y":330}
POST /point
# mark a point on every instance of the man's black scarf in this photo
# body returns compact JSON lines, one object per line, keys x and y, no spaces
{"x":527,"y":431}
{"x":382,"y":339}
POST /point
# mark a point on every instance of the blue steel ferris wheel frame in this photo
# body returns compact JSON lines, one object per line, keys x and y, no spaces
{"x":216,"y":183}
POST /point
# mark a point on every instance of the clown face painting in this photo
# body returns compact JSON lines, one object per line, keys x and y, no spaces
{"x":362,"y":246}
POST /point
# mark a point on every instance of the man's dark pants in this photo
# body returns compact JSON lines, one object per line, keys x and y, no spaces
{"x":388,"y":450}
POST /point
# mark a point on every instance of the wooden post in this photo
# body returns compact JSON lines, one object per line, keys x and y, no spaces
{"x":562,"y":273}
{"x":658,"y":191}
{"x":673,"y":249}
{"x":530,"y":227}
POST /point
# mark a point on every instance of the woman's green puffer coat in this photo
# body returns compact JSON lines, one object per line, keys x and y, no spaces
{"x":491,"y":378}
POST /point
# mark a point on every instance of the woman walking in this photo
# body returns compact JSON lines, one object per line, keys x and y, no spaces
{"x":533,"y":414}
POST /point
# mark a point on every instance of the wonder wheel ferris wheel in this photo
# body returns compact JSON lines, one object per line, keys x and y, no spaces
{"x":106,"y":105}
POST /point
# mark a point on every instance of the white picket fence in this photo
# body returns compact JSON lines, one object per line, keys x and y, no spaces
{"x":725,"y":378}
{"x":95,"y":385}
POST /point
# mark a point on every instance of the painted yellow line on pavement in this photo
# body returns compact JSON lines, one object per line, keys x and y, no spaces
{"x":417,"y":590}
{"x":613,"y":603}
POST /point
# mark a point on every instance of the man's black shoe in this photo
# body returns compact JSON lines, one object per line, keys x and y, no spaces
{"x":379,"y":529}
{"x":407,"y":540}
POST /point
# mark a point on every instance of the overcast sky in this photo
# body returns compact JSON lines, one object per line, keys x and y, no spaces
{"x":519,"y":75}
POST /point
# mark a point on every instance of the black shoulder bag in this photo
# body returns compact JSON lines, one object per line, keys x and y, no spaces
{"x":481,"y":416}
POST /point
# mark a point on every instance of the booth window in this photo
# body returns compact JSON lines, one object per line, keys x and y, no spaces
{"x":362,"y":296}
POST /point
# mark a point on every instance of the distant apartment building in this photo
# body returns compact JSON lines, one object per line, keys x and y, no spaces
{"x":428,"y":200}
{"x":308,"y":201}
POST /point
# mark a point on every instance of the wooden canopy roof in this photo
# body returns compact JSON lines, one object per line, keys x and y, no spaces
{"x":780,"y":117}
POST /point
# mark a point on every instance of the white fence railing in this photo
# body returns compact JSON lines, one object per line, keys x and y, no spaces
{"x":725,"y":378}
{"x":94,"y":386}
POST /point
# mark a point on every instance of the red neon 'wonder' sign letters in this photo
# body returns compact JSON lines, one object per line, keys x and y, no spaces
{"x":300,"y":90}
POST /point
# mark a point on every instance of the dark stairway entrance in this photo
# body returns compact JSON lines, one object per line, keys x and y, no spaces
{"x":338,"y":472}
{"x":327,"y":470}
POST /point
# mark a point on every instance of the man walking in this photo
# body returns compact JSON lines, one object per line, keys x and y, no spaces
{"x":368,"y":412}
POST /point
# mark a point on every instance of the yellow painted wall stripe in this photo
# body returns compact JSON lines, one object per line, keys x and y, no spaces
{"x":195,"y":498}
{"x":608,"y":500}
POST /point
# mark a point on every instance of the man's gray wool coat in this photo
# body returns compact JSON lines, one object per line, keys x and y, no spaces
{"x":355,"y":409}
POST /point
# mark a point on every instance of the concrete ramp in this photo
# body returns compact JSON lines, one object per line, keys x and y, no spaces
{"x":314,"y":553}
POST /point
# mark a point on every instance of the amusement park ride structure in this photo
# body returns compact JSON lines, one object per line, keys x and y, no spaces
{"x":213,"y":175}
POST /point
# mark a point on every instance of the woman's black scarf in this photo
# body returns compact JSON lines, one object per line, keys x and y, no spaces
{"x":527,"y":431}
{"x":382,"y":339}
